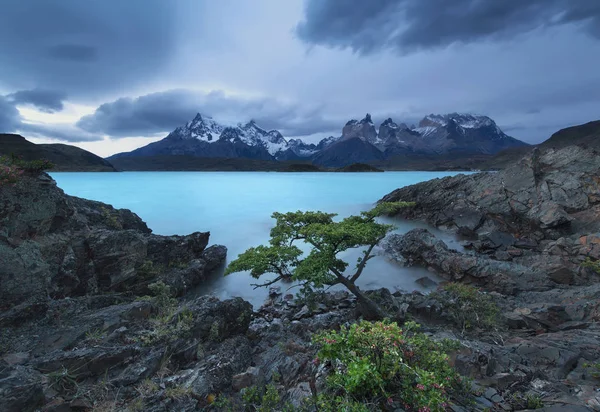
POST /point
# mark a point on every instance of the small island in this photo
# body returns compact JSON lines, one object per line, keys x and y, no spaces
{"x":358,"y":167}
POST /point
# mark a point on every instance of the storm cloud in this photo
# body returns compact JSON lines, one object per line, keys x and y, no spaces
{"x":48,"y":101}
{"x":162,"y":112}
{"x":407,"y":25}
{"x":10,"y":118}
{"x":85,"y":48}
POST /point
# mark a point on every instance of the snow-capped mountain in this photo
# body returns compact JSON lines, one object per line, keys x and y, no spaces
{"x":360,"y":140}
{"x":203,"y":128}
{"x":205,"y":137}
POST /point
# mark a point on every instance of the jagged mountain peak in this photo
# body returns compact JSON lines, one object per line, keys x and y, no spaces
{"x":465,"y":120}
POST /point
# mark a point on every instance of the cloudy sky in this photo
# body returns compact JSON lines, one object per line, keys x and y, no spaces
{"x":113,"y":75}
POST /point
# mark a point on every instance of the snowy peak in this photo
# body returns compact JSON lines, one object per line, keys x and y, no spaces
{"x":272,"y":140}
{"x":202,"y":128}
{"x":468,"y":121}
{"x":364,"y":130}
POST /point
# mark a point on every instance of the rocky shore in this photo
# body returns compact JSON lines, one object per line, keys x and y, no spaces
{"x":531,"y":237}
{"x":96,"y":312}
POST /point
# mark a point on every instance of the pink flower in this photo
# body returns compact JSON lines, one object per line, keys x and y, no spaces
{"x":420,"y":387}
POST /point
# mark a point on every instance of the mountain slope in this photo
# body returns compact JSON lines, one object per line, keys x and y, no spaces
{"x":65,"y":158}
{"x":346,"y":152}
{"x":587,"y":135}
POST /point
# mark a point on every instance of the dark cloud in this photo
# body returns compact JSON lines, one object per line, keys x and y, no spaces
{"x":48,"y":101}
{"x":405,"y":25}
{"x":162,"y":112}
{"x":73,"y":52}
{"x":89,"y":49}
{"x":9,"y":116}
{"x":60,"y":132}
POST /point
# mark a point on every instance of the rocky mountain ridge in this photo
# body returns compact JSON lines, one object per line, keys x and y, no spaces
{"x":436,"y":134}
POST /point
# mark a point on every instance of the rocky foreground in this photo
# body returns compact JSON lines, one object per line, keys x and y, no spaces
{"x":531,"y":237}
{"x":80,"y":332}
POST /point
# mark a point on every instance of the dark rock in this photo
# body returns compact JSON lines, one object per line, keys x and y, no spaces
{"x":548,"y":192}
{"x":216,"y":320}
{"x":426,"y":282}
{"x":244,"y":380}
{"x":20,"y":389}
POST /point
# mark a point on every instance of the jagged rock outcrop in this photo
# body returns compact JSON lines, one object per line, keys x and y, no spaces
{"x":545,"y":196}
{"x":53,"y":245}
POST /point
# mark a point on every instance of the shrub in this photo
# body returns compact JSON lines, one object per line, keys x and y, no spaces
{"x":9,"y":173}
{"x":382,"y":363}
{"x":468,"y":307}
{"x":594,"y":369}
{"x":592,"y":264}
{"x":167,"y":325}
{"x":13,"y":167}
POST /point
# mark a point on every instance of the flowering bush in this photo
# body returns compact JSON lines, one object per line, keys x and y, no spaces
{"x":379,"y":363}
{"x":13,"y":167}
{"x":9,"y":174}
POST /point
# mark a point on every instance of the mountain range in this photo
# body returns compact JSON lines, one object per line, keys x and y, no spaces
{"x":360,"y":141}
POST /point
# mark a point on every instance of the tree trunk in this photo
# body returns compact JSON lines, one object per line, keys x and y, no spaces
{"x":369,"y":309}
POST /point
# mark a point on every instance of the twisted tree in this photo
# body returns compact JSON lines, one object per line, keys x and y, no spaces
{"x":320,"y":267}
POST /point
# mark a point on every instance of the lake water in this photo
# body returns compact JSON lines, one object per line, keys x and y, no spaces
{"x":236,"y":208}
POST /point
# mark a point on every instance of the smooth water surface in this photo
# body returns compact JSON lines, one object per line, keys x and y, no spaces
{"x":236,"y":208}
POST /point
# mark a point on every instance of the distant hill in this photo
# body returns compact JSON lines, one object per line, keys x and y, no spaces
{"x":65,"y":158}
{"x":586,"y":135}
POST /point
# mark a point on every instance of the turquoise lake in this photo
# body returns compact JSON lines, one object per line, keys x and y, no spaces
{"x":236,"y":208}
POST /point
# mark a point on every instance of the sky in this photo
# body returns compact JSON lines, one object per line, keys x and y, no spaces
{"x":112,"y":75}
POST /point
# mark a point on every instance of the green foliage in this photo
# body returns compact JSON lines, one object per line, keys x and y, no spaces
{"x":147,"y":388}
{"x":148,"y":270}
{"x":592,"y":264}
{"x":163,"y":297}
{"x":261,"y":399}
{"x":329,"y":403}
{"x":382,"y":363}
{"x":178,"y":392}
{"x":9,"y":173}
{"x":527,"y":401}
{"x":389,"y":208}
{"x":468,"y":307}
{"x":168,"y":325}
{"x":325,"y":238}
{"x":95,"y":335}
{"x":111,"y":218}
{"x":594,"y":369}
{"x":62,"y":381}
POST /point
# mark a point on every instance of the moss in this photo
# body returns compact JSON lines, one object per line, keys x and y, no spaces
{"x":111,"y":218}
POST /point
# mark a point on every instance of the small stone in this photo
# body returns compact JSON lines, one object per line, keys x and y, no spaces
{"x":274,"y":291}
{"x":17,"y":358}
{"x":426,"y":282}
{"x":304,"y":312}
{"x":246,"y":379}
